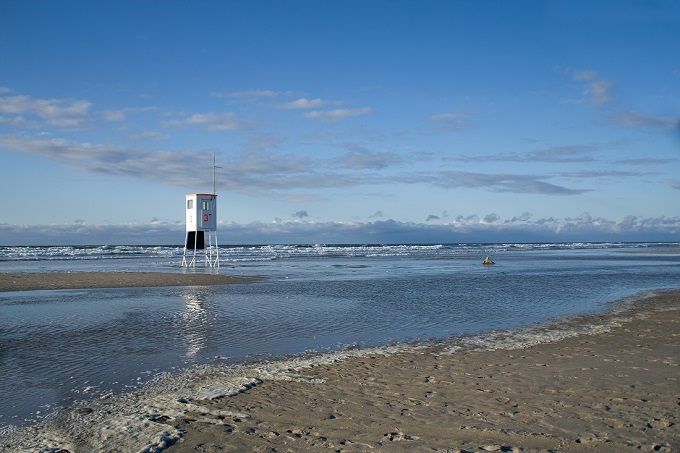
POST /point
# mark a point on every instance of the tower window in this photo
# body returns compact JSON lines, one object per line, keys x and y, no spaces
{"x":190,"y":204}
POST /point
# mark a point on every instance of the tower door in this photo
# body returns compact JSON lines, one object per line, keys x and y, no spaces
{"x":207,"y":215}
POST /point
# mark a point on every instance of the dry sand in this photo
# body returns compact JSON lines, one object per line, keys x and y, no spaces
{"x":615,"y":391}
{"x":79,"y":280}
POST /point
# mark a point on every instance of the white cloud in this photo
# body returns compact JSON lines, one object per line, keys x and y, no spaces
{"x":524,"y":217}
{"x":122,"y":114}
{"x":215,"y":122}
{"x":554,"y":154}
{"x":302,"y":103}
{"x":630,"y":118}
{"x":597,"y":89}
{"x":55,"y":112}
{"x":337,"y":114}
{"x":19,"y":122}
{"x":301,"y":214}
{"x":166,"y":167}
{"x":113,"y":115}
{"x":491,"y":218}
{"x":463,"y":229}
{"x":364,"y":160}
{"x":266,"y":174}
{"x":453,"y":121}
{"x":250,"y":93}
{"x":156,"y":136}
{"x":502,"y":182}
{"x":64,"y":113}
{"x":209,"y":121}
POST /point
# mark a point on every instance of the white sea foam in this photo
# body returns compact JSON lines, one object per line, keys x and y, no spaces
{"x":260,"y":252}
{"x":623,"y":311}
{"x":135,"y":421}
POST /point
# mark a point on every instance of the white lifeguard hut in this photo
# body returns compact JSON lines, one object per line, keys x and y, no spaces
{"x":201,"y":228}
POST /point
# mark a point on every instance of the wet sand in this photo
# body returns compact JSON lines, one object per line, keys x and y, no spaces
{"x":80,"y":280}
{"x":614,"y":391}
{"x":613,"y":388}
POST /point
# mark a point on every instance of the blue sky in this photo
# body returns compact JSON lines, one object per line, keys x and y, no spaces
{"x":340,"y":121}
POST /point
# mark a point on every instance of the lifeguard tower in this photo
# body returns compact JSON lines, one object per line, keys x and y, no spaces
{"x":201,"y":230}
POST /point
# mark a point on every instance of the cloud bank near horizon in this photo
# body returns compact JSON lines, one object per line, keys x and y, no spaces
{"x":461,"y":229}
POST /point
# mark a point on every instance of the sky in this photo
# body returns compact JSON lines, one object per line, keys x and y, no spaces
{"x":340,"y":121}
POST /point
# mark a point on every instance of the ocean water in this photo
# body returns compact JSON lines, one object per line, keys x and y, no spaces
{"x":61,"y":346}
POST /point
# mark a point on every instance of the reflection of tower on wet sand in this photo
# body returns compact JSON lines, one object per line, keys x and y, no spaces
{"x":196,"y":323}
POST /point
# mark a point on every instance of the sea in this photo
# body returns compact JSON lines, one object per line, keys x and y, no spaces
{"x":61,"y":347}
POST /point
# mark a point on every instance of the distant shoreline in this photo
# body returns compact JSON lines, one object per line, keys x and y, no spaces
{"x":83,"y":280}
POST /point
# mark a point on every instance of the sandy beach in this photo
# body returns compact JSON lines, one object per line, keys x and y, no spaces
{"x":79,"y":280}
{"x":614,"y":391}
{"x":613,"y":387}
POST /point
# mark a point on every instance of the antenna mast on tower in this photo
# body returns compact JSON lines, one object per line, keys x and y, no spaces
{"x":214,"y":168}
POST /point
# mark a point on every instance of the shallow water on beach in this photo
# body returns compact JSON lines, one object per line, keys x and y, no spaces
{"x":58,"y":346}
